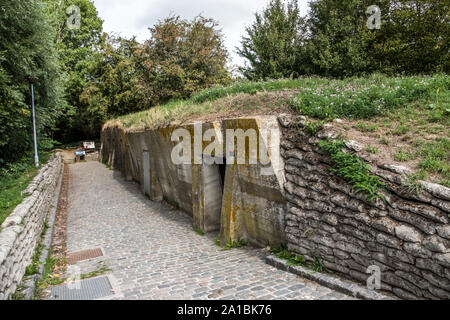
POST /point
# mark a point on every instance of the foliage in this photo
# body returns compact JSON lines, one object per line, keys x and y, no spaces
{"x":115,"y":89}
{"x":317,"y":97}
{"x":234,"y":244}
{"x":292,"y":259}
{"x":364,"y":99}
{"x":298,"y":260}
{"x":78,"y":51}
{"x":180,"y":58}
{"x":33,"y":267}
{"x":27,"y":50}
{"x":353,"y":169}
{"x":335,"y":41}
{"x":273,"y":45}
{"x":412,"y":184}
{"x":14,"y":178}
{"x":402,"y":156}
{"x":436,"y":157}
{"x":101,"y":269}
{"x":248,"y":87}
{"x":50,"y":277}
{"x":199,"y":231}
{"x":312,"y":127}
{"x":340,"y":41}
{"x":413,"y":38}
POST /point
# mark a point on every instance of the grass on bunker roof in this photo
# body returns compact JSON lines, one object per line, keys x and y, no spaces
{"x":405,"y":119}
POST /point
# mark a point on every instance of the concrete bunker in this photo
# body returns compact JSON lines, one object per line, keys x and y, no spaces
{"x":228,"y":193}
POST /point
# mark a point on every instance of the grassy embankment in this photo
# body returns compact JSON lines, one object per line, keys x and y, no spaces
{"x":404,"y":119}
{"x":13,"y":180}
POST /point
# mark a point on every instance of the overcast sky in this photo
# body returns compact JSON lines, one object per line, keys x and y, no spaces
{"x":134,"y":17}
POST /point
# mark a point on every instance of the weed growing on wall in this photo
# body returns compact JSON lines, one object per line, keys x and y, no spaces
{"x":33,"y":267}
{"x":298,"y":260}
{"x":352,"y":169}
{"x":312,"y":127}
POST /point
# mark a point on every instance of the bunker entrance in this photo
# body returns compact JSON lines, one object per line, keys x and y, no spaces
{"x":213,"y":188}
{"x":146,"y":171}
{"x":222,"y":170}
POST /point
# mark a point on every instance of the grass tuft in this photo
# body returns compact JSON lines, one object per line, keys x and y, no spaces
{"x":353,"y":169}
{"x":234,"y":244}
{"x":199,"y":231}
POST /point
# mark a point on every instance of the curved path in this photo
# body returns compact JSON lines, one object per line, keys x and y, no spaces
{"x":153,"y":253}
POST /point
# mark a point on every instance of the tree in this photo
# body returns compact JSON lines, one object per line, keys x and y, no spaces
{"x":274,"y":44}
{"x":78,"y":50}
{"x":340,"y":42}
{"x":114,"y":88}
{"x":413,"y":37}
{"x":180,"y":58}
{"x":27,"y":50}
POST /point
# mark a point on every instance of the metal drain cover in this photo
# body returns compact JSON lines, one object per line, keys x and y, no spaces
{"x":89,"y":289}
{"x":77,"y":256}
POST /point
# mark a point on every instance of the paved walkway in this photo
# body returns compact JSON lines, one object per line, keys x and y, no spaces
{"x":153,"y":252}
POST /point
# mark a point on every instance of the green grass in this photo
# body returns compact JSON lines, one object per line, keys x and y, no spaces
{"x":298,"y":260}
{"x":312,"y":127}
{"x":234,"y":244}
{"x":366,"y":127}
{"x":14,"y":178}
{"x":102,"y":269}
{"x":402,"y":156}
{"x":352,"y":169}
{"x":436,"y":158}
{"x":199,"y":231}
{"x":18,"y":295}
{"x":372,"y":149}
{"x":365,"y":98}
{"x":412,"y":185}
{"x":33,"y":267}
{"x":49,"y":278}
{"x":352,"y":98}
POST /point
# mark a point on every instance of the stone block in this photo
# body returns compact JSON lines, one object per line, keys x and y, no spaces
{"x":408,"y":233}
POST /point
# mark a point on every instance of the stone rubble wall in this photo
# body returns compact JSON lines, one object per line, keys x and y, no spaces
{"x":408,"y":236}
{"x":21,"y":231}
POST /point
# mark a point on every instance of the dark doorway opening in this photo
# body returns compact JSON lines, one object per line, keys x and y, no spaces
{"x":222,"y":170}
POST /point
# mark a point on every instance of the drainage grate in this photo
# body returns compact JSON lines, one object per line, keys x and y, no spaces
{"x":74,"y":257}
{"x":89,"y":289}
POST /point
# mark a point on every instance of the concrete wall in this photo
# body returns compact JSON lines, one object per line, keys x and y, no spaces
{"x":20,"y":232}
{"x":408,"y":236}
{"x":248,"y":204}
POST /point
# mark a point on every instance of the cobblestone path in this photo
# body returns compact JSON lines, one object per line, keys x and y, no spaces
{"x":153,"y":253}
